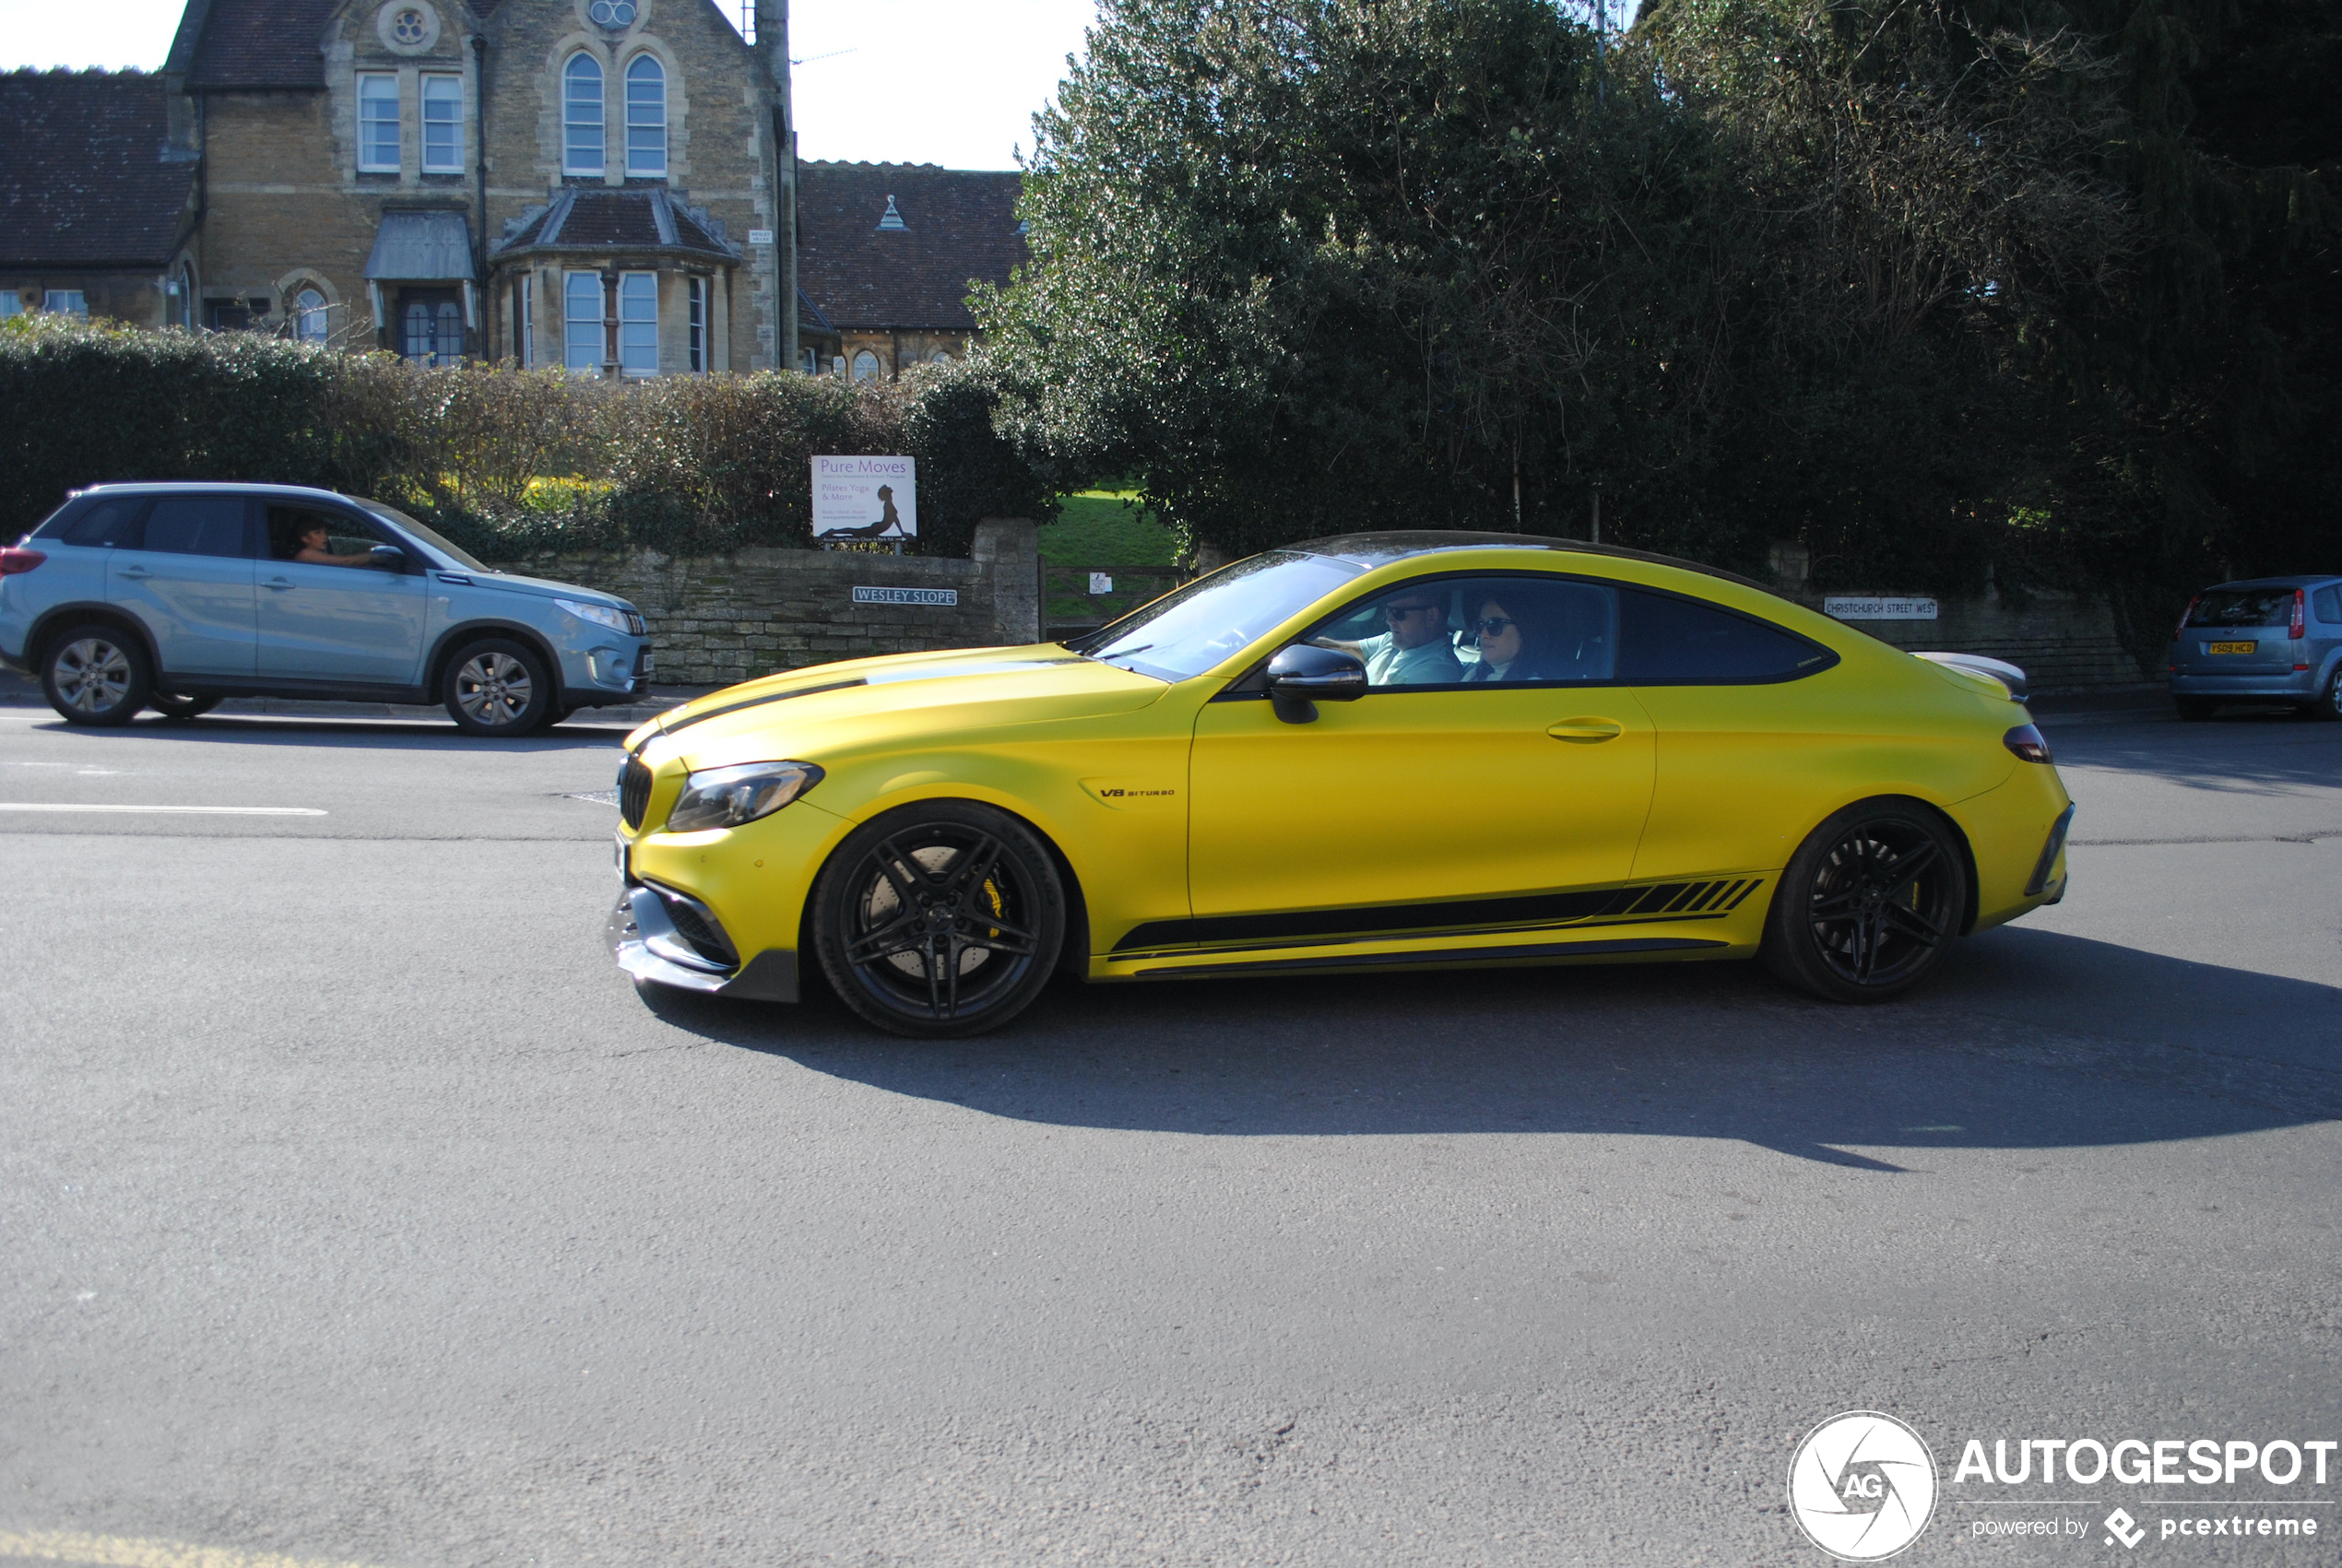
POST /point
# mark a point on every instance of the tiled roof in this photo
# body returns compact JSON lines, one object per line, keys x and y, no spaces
{"x":255,"y":43}
{"x":85,"y":182}
{"x":958,"y":225}
{"x":586,"y":219}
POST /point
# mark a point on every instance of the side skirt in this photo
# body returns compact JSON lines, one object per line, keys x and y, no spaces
{"x":1617,"y":946}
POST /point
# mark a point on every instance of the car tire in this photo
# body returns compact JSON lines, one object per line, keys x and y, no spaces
{"x":1869,"y":904}
{"x":939,"y":920}
{"x":96,"y":673}
{"x":496,"y":686}
{"x":2329,"y":702}
{"x":2194,"y":710}
{"x":177,"y":709}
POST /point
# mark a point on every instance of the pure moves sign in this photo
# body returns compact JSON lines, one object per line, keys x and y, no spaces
{"x":865,"y":498}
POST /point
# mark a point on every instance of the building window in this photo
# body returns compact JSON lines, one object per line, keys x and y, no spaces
{"x":941,"y":357}
{"x":582,"y":322}
{"x":378,"y":124}
{"x":66,"y":302}
{"x":582,"y":115}
{"x":309,"y":316}
{"x":866,"y":366}
{"x":638,"y":323}
{"x":434,"y":331}
{"x":699,"y":326}
{"x":645,"y":117}
{"x":442,"y":125}
{"x":11,"y":303}
{"x":525,"y":319}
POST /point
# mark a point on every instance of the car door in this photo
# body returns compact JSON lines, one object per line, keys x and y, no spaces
{"x":1438,"y":806}
{"x":338,"y":623}
{"x":187,"y":577}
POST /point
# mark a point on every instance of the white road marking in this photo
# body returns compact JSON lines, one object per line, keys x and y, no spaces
{"x":185,"y":810}
{"x":116,"y":1551}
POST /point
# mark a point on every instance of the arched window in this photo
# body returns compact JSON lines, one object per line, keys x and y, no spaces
{"x":866,"y":366}
{"x":582,"y":115}
{"x":309,"y":316}
{"x":645,"y":117}
{"x":941,"y":357}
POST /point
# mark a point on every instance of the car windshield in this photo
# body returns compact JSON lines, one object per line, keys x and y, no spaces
{"x":431,"y":536}
{"x":2242,"y":606}
{"x":1185,"y":632}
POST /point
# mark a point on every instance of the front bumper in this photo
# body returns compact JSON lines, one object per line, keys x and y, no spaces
{"x":646,"y":942}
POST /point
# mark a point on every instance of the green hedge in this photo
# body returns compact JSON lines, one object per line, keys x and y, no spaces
{"x":508,"y":463}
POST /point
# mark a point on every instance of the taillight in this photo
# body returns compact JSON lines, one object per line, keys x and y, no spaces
{"x":2295,"y":628}
{"x":2184,"y":615}
{"x":2027,"y":742}
{"x":14,"y":560}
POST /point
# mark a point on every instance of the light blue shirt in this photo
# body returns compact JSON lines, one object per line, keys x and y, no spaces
{"x":1432,"y":664}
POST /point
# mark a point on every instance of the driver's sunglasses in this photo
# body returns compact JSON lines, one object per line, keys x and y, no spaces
{"x":1401,"y":612}
{"x":1495,"y":626}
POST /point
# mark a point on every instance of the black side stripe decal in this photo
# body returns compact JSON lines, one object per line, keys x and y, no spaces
{"x":757,"y":702}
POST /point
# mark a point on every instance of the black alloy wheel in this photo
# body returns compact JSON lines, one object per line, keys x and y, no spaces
{"x":497,"y":686}
{"x":96,"y":675}
{"x":1870,"y":904}
{"x":939,"y":919}
{"x":179,"y":709}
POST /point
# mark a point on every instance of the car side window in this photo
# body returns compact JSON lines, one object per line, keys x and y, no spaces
{"x":1666,"y":640}
{"x":348,"y":536}
{"x":195,"y":525}
{"x":2329,"y":605}
{"x":1518,"y":630}
{"x":105,"y":523}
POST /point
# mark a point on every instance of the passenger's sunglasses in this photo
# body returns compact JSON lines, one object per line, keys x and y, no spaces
{"x":1495,"y":626}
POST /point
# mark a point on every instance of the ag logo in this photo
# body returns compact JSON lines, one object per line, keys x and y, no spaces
{"x":1862,"y":1485}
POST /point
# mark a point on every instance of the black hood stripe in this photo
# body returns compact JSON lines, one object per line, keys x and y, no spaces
{"x":666,"y":729}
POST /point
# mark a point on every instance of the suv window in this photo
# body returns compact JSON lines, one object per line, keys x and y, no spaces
{"x":2244,"y":606}
{"x":2329,"y":605}
{"x":100,"y":522}
{"x":1664,"y":641}
{"x":347,"y":533}
{"x":197,"y":525}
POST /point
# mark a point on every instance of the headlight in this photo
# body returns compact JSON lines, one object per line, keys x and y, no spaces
{"x":724,"y":797}
{"x":600,"y":615}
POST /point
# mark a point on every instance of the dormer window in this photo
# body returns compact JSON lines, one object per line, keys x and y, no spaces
{"x":582,"y":115}
{"x":645,"y":117}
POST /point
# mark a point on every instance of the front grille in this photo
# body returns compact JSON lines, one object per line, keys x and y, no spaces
{"x":633,"y":792}
{"x":636,"y":624}
{"x":695,"y":923}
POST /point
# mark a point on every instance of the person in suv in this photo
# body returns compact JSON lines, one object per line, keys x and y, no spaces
{"x":174,"y":596}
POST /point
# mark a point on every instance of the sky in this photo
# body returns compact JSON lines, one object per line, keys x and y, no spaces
{"x":899,"y":81}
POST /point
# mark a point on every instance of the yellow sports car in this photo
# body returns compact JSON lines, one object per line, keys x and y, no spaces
{"x":1358,"y":753}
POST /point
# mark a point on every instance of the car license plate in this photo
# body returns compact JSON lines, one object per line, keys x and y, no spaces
{"x":2230,"y":647}
{"x":618,"y":853}
{"x":643,"y":665}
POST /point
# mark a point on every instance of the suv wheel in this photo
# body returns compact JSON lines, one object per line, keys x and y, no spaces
{"x":496,"y":686}
{"x":1869,"y":905}
{"x":2329,"y":702}
{"x":96,"y":675}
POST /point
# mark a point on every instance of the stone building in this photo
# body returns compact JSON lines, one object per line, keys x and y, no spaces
{"x":885,"y":256}
{"x":600,"y":184}
{"x":94,"y":206}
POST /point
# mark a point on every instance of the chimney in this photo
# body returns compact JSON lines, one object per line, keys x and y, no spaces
{"x":772,"y":41}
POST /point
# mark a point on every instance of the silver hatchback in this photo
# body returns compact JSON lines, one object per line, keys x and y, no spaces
{"x":2272,"y":639}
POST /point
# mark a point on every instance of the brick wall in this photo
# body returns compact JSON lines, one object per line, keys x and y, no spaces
{"x":716,"y":620}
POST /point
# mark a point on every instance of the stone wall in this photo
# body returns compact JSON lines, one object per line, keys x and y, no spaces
{"x":716,"y":620}
{"x":2063,"y":641}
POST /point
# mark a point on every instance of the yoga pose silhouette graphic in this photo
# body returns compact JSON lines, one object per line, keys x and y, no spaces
{"x":891,"y":523}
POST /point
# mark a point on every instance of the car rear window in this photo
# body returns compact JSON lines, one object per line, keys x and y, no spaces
{"x":1672,"y":641}
{"x":2329,"y":605}
{"x":2242,"y":606}
{"x":99,"y":522}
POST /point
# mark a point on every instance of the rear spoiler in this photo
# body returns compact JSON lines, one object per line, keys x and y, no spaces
{"x":2008,"y":675}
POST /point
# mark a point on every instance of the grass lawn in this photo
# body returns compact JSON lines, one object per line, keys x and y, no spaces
{"x":1097,"y":529}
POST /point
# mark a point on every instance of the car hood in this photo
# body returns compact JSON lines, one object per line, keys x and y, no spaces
{"x":865,"y":701}
{"x":541,"y":587}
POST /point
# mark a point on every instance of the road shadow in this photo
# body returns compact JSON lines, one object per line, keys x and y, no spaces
{"x":383,"y":734}
{"x":1691,"y":1051}
{"x":2244,"y":751}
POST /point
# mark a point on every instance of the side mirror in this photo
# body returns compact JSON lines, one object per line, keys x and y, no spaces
{"x":388,"y":556}
{"x":1304,"y":675}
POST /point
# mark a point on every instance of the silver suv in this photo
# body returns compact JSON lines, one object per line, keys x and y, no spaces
{"x":172,"y":596}
{"x":2271,"y":638}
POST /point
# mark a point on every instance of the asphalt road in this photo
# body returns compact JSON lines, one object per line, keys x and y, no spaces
{"x":356,"y":1209}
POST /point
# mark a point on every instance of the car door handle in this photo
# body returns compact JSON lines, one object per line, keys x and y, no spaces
{"x":136,"y":574}
{"x":1586,"y":729}
{"x":279,"y":582}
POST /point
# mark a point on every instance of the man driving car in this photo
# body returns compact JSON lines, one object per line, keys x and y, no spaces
{"x":1416,"y":651}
